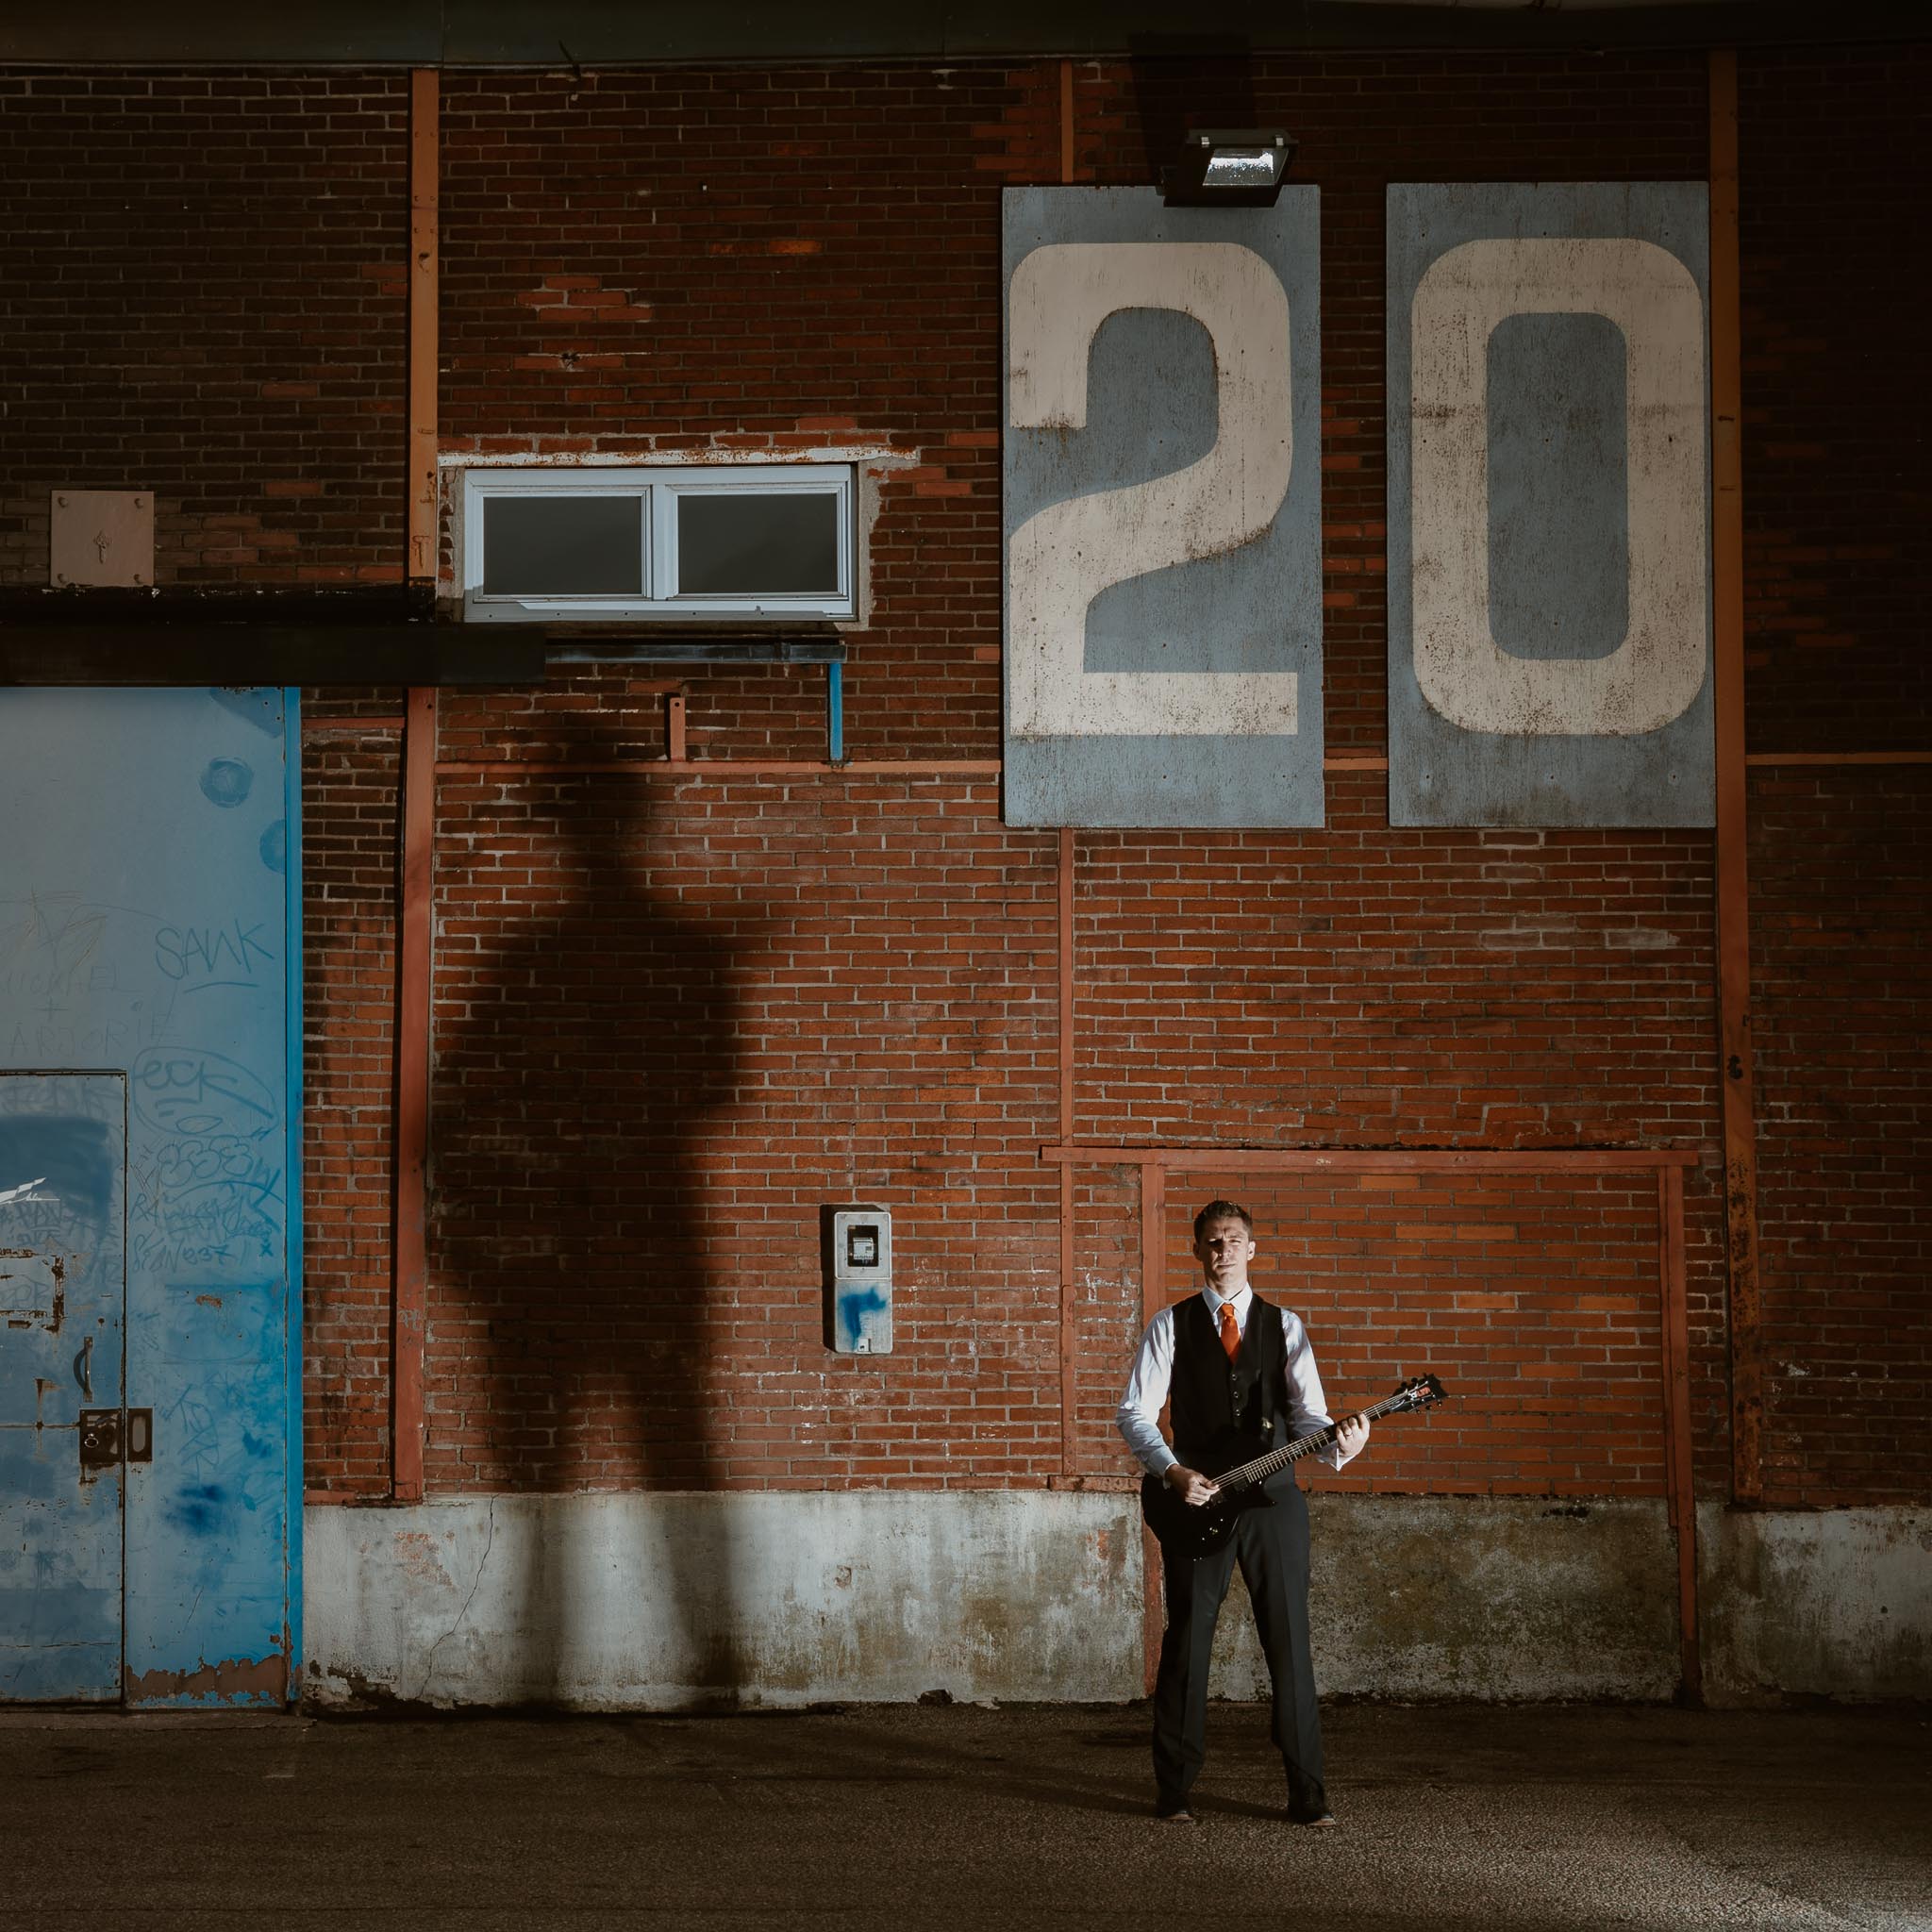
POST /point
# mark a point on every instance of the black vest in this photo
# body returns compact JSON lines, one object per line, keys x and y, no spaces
{"x":1218,"y":1405}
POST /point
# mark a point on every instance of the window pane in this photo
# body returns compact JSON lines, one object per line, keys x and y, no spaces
{"x":747,"y":545}
{"x":563,"y":546}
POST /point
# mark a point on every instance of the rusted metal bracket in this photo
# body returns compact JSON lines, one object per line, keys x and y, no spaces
{"x":1735,"y":1070}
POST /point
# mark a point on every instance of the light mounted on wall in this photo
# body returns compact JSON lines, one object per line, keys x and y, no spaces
{"x":1229,"y":167}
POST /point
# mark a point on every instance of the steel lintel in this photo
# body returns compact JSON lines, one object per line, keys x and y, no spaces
{"x":217,"y":653}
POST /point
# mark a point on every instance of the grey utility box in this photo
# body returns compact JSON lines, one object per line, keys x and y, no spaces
{"x":856,"y":1243}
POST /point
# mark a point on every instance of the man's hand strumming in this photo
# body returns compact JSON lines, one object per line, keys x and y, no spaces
{"x":1191,"y":1484}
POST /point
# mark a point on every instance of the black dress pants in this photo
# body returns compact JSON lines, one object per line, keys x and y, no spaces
{"x":1272,"y":1546}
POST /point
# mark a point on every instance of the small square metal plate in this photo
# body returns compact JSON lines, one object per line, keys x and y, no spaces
{"x":101,"y":537}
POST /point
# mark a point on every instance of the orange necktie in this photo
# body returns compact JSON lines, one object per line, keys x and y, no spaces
{"x":1230,"y":1331}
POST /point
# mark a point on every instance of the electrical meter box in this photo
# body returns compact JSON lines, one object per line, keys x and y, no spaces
{"x":857,"y":1249}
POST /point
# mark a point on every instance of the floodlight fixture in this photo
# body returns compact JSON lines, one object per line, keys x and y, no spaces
{"x":1229,"y":167}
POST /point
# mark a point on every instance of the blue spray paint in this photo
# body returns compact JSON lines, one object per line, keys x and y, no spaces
{"x":854,"y":1307}
{"x":227,"y":782}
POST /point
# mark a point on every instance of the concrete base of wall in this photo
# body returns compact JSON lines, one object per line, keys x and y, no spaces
{"x":681,"y":1602}
{"x":754,"y":1599}
{"x":1830,"y":1603}
{"x":690,"y":1602}
{"x":1510,"y":1599}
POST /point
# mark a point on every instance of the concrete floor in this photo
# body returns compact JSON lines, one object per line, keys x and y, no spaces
{"x":1507,"y":1819}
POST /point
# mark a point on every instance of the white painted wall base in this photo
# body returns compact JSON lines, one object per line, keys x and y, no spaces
{"x":677,"y":1602}
{"x":750,"y":1599}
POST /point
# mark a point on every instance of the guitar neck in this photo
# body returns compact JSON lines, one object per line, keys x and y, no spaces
{"x":1275,"y":1460}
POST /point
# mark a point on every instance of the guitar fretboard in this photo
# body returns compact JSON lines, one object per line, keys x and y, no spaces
{"x":1263,"y":1467}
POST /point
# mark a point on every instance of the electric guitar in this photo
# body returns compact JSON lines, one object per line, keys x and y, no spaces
{"x":1193,"y":1530}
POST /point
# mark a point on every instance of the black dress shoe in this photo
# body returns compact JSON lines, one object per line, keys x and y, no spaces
{"x":1316,"y":1815}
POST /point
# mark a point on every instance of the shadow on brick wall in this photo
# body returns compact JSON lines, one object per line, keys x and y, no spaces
{"x":585,"y":1034}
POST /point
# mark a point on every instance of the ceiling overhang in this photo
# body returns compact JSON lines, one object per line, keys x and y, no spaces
{"x":649,"y":33}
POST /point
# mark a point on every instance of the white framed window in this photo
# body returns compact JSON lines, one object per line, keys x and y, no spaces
{"x":712,"y":541}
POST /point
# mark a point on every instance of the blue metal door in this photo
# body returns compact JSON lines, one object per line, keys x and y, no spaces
{"x":149,"y":934}
{"x":63,"y":1159}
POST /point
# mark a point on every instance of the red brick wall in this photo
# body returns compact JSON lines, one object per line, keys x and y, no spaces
{"x":675,"y":1015}
{"x":349,"y":793}
{"x":1841,"y":905}
{"x":202,"y":297}
{"x":1838,"y":416}
{"x":1838,"y":432}
{"x":1535,"y":1299}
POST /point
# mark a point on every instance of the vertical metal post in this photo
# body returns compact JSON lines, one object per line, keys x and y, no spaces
{"x":1153,"y":1299}
{"x":425,"y":249}
{"x":291,"y":821}
{"x":1069,"y":1325}
{"x":409,"y":1154}
{"x":1069,"y":1314}
{"x":1066,"y":122}
{"x":410,"y":1265}
{"x":1735,"y":1077}
{"x":835,"y":712}
{"x":1679,"y":1476}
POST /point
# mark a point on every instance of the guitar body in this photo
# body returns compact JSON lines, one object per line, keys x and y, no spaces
{"x":1187,"y":1530}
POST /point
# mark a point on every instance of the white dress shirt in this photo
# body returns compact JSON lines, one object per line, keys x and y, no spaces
{"x":1138,"y":1415}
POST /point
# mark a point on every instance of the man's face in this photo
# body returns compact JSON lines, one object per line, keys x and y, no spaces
{"x":1224,"y":1250}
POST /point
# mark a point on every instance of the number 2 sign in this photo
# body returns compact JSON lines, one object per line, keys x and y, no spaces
{"x":1162,"y":512}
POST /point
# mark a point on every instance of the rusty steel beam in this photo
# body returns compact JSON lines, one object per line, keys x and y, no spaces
{"x":1679,"y":1444}
{"x":410,"y":1155}
{"x":1381,"y":1160}
{"x":1069,"y":1310}
{"x":425,"y":249}
{"x":729,"y":768}
{"x":1153,"y":1299}
{"x":1069,"y":1314}
{"x":409,"y":1262}
{"x":1838,"y":757}
{"x":1735,"y":1075}
{"x":1066,"y":122}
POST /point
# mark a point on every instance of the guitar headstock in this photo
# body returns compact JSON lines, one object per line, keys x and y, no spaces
{"x":1420,"y":1391}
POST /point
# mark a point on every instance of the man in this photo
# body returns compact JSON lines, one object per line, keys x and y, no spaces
{"x":1243,"y":1380}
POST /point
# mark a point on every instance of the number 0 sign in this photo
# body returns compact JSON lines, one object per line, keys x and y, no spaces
{"x":1549,"y":569}
{"x":1162,"y":514}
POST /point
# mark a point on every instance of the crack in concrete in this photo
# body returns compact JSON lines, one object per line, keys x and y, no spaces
{"x":475,"y":1584}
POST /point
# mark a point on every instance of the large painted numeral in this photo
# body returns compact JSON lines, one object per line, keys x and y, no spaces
{"x":1658,"y":669}
{"x":1061,"y":559}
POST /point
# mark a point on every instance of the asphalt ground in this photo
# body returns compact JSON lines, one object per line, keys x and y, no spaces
{"x":1512,"y":1819}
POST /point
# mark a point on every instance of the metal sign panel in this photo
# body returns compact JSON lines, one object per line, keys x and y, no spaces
{"x":1162,"y":516}
{"x":1549,"y":505}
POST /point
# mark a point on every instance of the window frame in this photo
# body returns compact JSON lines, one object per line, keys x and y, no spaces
{"x":657,"y":486}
